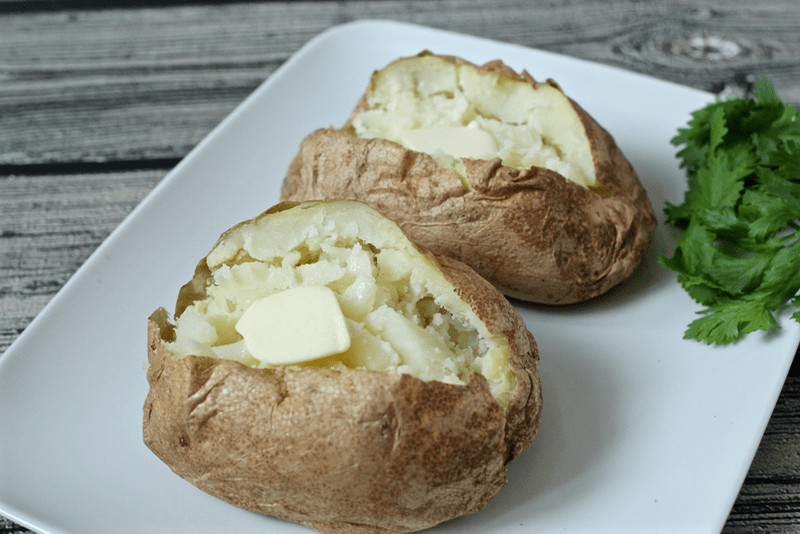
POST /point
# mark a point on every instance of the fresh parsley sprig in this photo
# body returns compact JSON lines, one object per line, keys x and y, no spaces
{"x":739,"y":254}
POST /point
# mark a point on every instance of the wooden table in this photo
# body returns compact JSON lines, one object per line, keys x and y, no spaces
{"x":98,"y":103}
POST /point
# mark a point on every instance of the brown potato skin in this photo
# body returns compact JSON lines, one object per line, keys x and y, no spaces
{"x":352,"y":451}
{"x":532,"y":233}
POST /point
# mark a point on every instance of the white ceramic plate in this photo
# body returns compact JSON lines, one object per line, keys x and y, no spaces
{"x":642,"y":430}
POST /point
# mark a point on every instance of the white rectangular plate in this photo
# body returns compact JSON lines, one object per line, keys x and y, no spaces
{"x":641,"y":430}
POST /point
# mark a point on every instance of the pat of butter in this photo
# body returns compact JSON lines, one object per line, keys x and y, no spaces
{"x":294,"y":326}
{"x":456,"y":141}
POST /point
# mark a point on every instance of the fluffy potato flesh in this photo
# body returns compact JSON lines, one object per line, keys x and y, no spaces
{"x":401,"y":313}
{"x":453,"y":110}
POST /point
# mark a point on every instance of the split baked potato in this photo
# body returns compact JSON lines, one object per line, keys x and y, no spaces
{"x":490,"y":167}
{"x":323,"y":369}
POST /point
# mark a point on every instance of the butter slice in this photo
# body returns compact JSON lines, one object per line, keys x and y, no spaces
{"x":294,"y":326}
{"x":456,"y":141}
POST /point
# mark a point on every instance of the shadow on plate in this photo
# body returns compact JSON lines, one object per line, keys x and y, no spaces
{"x":577,"y":432}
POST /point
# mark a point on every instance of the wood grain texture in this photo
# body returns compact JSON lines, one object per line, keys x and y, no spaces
{"x":96,"y":105}
{"x":149,"y":83}
{"x":769,"y":500}
{"x":50,"y":226}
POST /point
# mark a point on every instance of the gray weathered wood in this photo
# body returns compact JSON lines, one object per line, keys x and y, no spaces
{"x":127,"y":84}
{"x":50,"y":225}
{"x":97,"y":105}
{"x":769,"y":500}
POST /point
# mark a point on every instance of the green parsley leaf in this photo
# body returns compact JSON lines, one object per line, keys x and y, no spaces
{"x":796,"y":303}
{"x":729,"y":320}
{"x":766,"y":213}
{"x":739,"y":255}
{"x":782,"y":280}
{"x":765,"y":93}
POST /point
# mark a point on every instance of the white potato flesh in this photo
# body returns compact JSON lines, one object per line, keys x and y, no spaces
{"x":401,"y":313}
{"x":450,"y":111}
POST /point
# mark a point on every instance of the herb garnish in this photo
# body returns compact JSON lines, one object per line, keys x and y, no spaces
{"x":739,"y":255}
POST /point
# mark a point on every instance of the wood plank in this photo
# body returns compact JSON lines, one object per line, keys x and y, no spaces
{"x":769,"y":500}
{"x":51,"y":224}
{"x":127,"y":84}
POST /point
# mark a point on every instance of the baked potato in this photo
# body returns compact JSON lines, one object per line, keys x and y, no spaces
{"x":323,"y":369}
{"x":489,"y":167}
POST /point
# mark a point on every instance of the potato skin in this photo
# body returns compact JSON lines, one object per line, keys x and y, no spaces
{"x":352,"y":451}
{"x":532,"y":233}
